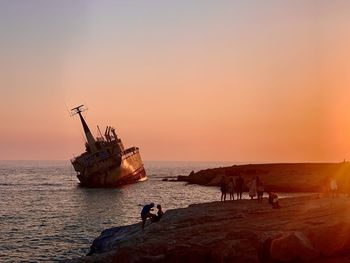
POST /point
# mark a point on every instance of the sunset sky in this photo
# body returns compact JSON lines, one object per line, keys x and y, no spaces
{"x":253,"y":81}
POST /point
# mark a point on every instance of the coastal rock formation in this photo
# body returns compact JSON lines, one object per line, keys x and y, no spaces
{"x":306,"y":177}
{"x":292,"y":246}
{"x":305,"y":229}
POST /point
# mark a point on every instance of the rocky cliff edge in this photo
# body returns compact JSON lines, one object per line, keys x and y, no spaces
{"x":305,"y":229}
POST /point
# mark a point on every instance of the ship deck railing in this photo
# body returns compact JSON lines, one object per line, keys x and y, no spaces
{"x":95,"y":157}
{"x":129,"y":152}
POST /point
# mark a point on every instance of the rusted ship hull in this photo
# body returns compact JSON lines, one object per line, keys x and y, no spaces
{"x":127,"y":170}
{"x":105,"y":162}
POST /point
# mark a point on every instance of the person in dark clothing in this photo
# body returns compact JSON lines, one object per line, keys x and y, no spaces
{"x":159,"y":214}
{"x":239,"y":186}
{"x":223,"y":188}
{"x":260,"y":189}
{"x":231,"y":189}
{"x":146,"y":213}
{"x":273,"y":200}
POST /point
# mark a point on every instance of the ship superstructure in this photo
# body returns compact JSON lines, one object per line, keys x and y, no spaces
{"x":105,"y":162}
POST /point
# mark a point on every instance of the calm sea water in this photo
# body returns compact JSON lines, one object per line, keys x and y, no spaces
{"x":45,"y":216}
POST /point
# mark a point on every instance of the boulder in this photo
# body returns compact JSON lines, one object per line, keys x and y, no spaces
{"x":323,"y":238}
{"x":292,"y":246}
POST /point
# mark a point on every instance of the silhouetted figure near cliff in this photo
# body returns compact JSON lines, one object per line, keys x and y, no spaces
{"x":333,"y":187}
{"x":260,"y":189}
{"x":273,"y":200}
{"x":239,"y":186}
{"x":252,"y":189}
{"x":146,"y":213}
{"x":159,"y":214}
{"x":231,"y":189}
{"x":223,"y":188}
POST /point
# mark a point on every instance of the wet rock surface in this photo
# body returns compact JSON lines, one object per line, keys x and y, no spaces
{"x":305,"y":229}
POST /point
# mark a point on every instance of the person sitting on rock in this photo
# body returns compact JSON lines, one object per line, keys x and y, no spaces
{"x":146,"y":213}
{"x":273,"y":200}
{"x":159,"y":214}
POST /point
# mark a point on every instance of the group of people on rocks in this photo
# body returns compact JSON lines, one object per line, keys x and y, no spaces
{"x":255,"y":189}
{"x":231,"y":187}
{"x":236,"y":186}
{"x":146,"y":213}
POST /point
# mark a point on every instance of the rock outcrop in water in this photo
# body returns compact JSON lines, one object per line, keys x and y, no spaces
{"x":305,"y":229}
{"x":284,"y":177}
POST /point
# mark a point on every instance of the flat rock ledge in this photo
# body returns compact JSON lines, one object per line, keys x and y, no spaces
{"x":305,"y":229}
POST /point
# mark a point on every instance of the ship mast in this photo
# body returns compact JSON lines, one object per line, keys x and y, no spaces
{"x":90,"y":139}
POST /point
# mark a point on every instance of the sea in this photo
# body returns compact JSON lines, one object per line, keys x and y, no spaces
{"x":46,"y":217}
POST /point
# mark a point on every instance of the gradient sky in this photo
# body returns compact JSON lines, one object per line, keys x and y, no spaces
{"x":250,"y":80}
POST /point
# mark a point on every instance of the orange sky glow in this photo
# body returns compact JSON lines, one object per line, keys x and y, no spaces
{"x":192,"y":80}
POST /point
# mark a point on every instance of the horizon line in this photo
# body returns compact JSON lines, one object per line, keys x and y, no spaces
{"x":184,"y":161}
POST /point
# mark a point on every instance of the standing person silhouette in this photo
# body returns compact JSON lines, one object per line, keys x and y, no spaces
{"x":252,"y":189}
{"x":231,"y":189}
{"x":333,"y":186}
{"x":260,"y":189}
{"x":239,"y":186}
{"x":223,"y":188}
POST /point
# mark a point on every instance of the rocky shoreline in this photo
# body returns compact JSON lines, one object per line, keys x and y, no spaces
{"x":306,"y":229}
{"x":279,"y":177}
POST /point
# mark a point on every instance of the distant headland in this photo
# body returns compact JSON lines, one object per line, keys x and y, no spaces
{"x":279,"y":177}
